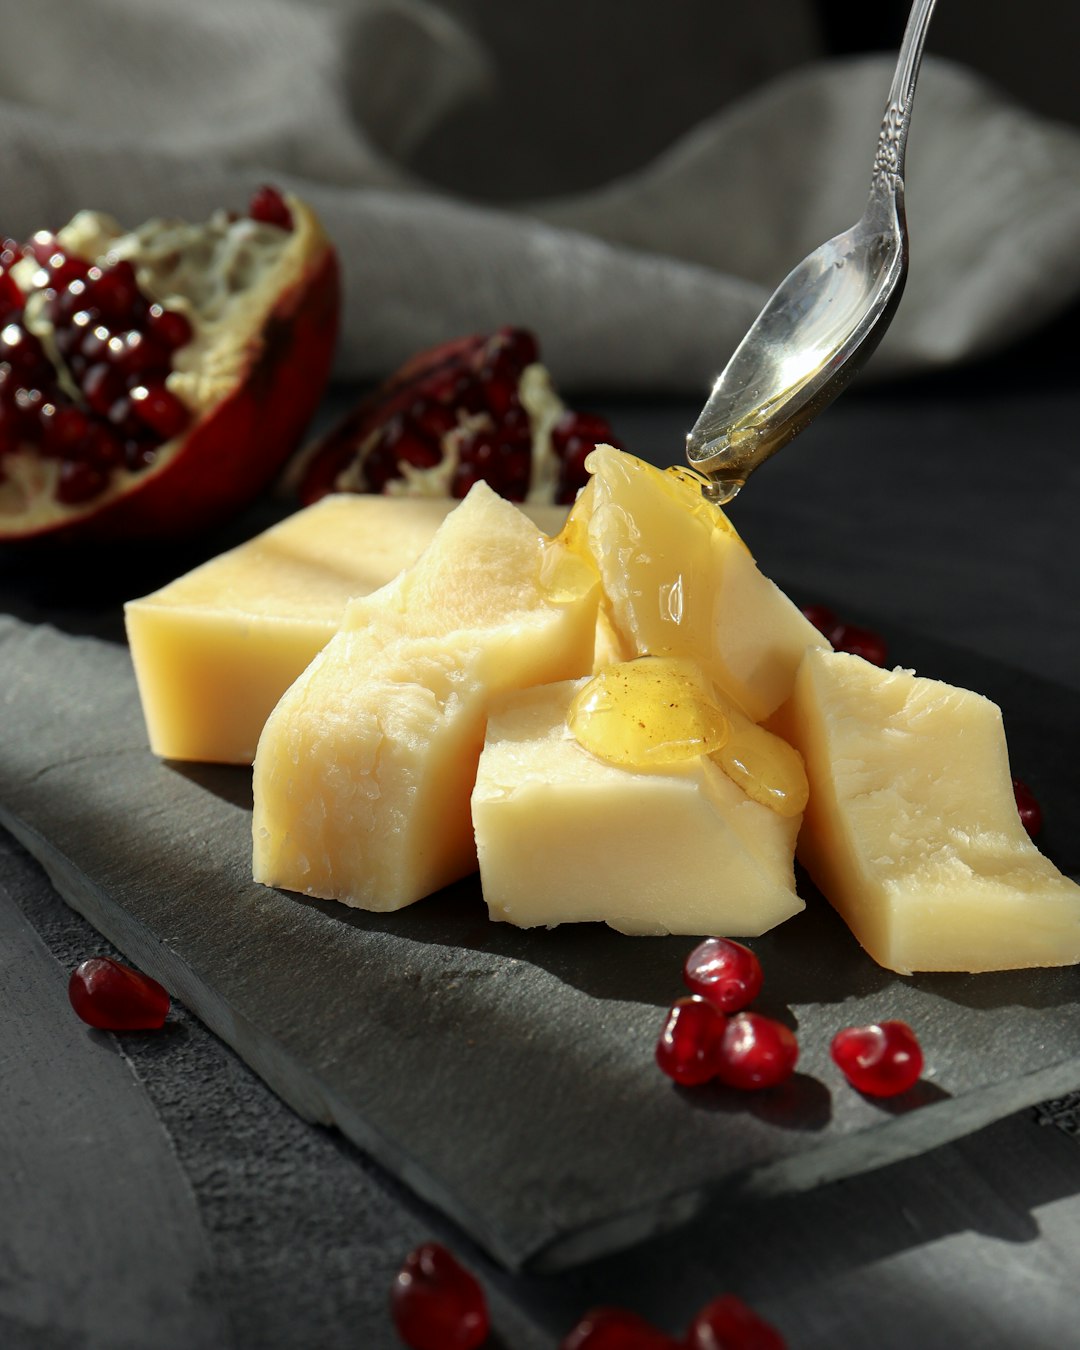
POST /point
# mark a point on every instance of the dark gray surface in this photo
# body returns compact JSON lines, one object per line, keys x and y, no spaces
{"x":493,"y":1070}
{"x":973,"y":1244}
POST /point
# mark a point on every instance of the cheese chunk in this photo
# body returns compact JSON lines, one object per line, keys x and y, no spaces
{"x":911,"y":829}
{"x":563,"y":836}
{"x":678,"y":581}
{"x":215,"y":649}
{"x":365,"y":768}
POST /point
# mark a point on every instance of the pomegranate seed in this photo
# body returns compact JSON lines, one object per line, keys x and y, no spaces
{"x":464,"y":480}
{"x":11,"y":297}
{"x":102,"y":386}
{"x":573,"y":430}
{"x":409,"y":445}
{"x":136,"y":354}
{"x":500,"y":390}
{"x":1027,"y":804}
{"x":170,"y":327}
{"x":689,"y":1046}
{"x":823,"y":618}
{"x":24,"y":354}
{"x":269,"y":207}
{"x":727,"y":1323}
{"x":436,"y":1303}
{"x":433,"y":419}
{"x":63,"y":429}
{"x":159,"y":408}
{"x":724,"y":972}
{"x":42,"y":246}
{"x":79,"y":482}
{"x":850,"y":638}
{"x":756,"y":1052}
{"x":615,"y":1329}
{"x":114,"y":997}
{"x":64,"y":269}
{"x":882,"y":1059}
{"x":519,"y":345}
{"x":115,"y":292}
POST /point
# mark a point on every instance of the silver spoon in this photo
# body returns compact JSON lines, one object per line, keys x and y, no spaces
{"x":826,"y":316}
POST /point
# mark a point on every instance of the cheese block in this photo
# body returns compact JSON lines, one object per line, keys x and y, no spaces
{"x":215,"y":649}
{"x":911,"y":829}
{"x":678,"y":580}
{"x":563,"y":836}
{"x":365,"y":767}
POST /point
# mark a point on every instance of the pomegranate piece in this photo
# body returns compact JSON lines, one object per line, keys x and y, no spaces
{"x":114,"y":997}
{"x":848,"y":637}
{"x":756,"y":1052}
{"x":882,"y":1059}
{"x":153,"y":382}
{"x":864,"y":642}
{"x":436,"y":1303}
{"x":727,"y":1323}
{"x":615,"y":1329}
{"x":1027,"y":804}
{"x":480,"y":407}
{"x":724,"y":972}
{"x":689,"y":1044}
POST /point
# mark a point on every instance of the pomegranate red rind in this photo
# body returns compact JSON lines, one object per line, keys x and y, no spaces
{"x":477,"y":407}
{"x":228,"y":413}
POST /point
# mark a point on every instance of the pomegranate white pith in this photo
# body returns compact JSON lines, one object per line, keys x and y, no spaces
{"x":181,"y":409}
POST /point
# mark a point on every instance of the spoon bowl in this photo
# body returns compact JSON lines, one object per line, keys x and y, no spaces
{"x":824,"y":319}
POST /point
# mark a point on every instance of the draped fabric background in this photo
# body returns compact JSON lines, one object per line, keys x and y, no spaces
{"x":631,"y":181}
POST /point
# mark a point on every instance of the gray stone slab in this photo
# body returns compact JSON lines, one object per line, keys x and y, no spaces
{"x":508,"y":1076}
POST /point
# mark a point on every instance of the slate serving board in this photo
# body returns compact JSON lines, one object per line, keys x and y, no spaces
{"x":508,"y":1076}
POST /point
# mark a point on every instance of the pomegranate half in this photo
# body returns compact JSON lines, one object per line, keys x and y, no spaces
{"x":475,"y":407}
{"x":153,"y":382}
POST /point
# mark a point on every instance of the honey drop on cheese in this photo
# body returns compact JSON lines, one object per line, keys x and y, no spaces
{"x":647,"y":713}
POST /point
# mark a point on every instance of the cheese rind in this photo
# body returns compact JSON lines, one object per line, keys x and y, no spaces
{"x":564,"y":837}
{"x":365,"y":767}
{"x":215,"y":649}
{"x":911,"y":830}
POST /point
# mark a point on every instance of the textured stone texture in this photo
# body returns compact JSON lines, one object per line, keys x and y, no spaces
{"x":507,"y":1077}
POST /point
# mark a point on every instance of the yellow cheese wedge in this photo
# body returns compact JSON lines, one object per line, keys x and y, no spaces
{"x":911,"y":829}
{"x":678,"y":581}
{"x":215,"y":649}
{"x":563,"y":836}
{"x":365,"y":768}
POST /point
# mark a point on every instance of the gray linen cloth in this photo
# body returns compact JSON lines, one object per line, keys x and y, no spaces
{"x":639,"y":277}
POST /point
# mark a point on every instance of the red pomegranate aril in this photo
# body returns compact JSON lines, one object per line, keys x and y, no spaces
{"x":727,"y":1323}
{"x":24,"y":354}
{"x":159,"y":408}
{"x":586,"y":428}
{"x":114,"y":997}
{"x":169,"y":326}
{"x":881,"y":1060}
{"x":1027,"y":805}
{"x":857,"y":641}
{"x":269,"y":207}
{"x":65,"y":269}
{"x":102,"y":386}
{"x":756,"y":1052}
{"x":79,"y":482}
{"x":136,"y":353}
{"x":115,"y":292}
{"x":436,"y":1303}
{"x":519,"y":346}
{"x":42,"y":246}
{"x":615,"y":1329}
{"x":689,"y":1046}
{"x":63,"y":429}
{"x":724,"y":972}
{"x":11,"y":297}
{"x":824,"y":619}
